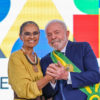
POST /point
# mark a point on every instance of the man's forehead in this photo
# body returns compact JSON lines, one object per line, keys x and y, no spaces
{"x":55,"y":23}
{"x":55,"y":26}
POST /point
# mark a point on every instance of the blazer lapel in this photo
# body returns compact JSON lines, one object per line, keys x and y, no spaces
{"x":68,"y":49}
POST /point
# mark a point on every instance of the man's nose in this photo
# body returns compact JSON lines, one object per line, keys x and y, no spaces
{"x":53,"y":36}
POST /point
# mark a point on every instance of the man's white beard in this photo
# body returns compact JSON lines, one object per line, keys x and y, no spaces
{"x":60,"y":44}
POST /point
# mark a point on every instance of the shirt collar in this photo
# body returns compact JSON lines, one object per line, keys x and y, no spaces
{"x":64,"y":49}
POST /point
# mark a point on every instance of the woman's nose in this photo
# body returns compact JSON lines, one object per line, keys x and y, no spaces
{"x":32,"y":36}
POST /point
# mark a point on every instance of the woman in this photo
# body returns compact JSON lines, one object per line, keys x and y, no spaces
{"x":24,"y":72}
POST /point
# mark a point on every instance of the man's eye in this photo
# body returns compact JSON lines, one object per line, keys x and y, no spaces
{"x":48,"y":34}
{"x":26,"y":33}
{"x":35,"y":33}
{"x":57,"y":32}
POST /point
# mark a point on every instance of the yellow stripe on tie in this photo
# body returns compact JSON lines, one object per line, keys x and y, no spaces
{"x":88,"y":89}
{"x":40,"y":11}
{"x":97,"y":87}
{"x":68,"y":67}
{"x":59,"y":59}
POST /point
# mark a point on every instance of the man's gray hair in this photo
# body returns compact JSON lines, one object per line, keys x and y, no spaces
{"x":56,"y":21}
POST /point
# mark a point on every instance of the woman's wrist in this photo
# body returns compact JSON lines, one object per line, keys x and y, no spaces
{"x":48,"y":78}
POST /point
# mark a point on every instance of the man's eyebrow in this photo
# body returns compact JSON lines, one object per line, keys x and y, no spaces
{"x":56,"y":30}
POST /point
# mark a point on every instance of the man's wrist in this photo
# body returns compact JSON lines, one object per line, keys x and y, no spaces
{"x":65,"y":75}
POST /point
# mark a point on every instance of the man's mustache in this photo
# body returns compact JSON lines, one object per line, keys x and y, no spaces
{"x":53,"y":41}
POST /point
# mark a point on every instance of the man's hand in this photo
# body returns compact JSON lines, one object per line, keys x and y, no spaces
{"x":57,"y":71}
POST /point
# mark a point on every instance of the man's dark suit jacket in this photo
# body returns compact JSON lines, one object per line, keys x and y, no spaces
{"x":81,"y":54}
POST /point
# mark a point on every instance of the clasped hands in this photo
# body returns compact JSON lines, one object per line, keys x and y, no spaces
{"x":57,"y":71}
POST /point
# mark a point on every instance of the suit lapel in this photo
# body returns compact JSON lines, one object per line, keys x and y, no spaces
{"x":68,"y":49}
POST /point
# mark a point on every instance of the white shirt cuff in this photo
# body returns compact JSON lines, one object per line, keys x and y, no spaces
{"x":69,"y":81}
{"x":53,"y":85}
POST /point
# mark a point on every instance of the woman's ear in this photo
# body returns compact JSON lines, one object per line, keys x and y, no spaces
{"x":21,"y":37}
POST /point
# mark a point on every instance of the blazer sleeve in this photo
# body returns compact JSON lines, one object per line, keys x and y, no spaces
{"x":90,"y":75}
{"x":48,"y":91}
{"x":20,"y":80}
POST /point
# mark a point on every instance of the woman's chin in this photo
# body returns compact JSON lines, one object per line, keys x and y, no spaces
{"x":31,"y":46}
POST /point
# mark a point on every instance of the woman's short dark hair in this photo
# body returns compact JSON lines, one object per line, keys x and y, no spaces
{"x":25,"y":23}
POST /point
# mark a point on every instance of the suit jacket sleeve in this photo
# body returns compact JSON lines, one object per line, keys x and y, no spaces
{"x":90,"y":75}
{"x":48,"y":91}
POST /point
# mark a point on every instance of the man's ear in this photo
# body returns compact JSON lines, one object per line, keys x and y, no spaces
{"x":67,"y":33}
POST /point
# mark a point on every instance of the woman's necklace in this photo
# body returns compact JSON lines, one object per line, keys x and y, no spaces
{"x":35,"y":62}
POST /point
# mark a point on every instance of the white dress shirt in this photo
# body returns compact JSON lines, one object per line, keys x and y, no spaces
{"x":69,"y":81}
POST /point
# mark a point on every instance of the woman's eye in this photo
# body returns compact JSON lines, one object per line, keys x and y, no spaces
{"x":35,"y":33}
{"x":26,"y":33}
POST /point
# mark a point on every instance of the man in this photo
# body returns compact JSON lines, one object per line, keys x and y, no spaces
{"x":73,"y":70}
